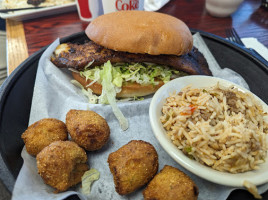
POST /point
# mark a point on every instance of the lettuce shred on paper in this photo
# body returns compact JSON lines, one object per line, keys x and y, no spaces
{"x":88,"y":178}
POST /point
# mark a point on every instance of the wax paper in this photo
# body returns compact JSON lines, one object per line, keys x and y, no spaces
{"x":153,"y":5}
{"x":54,"y":95}
{"x":253,"y":43}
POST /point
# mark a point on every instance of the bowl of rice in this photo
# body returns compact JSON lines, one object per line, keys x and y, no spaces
{"x":214,"y":128}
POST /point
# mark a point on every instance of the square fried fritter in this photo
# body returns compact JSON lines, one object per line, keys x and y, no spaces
{"x":42,"y":133}
{"x":133,"y":165}
{"x":171,"y":184}
{"x":62,"y":164}
{"x":88,"y":129}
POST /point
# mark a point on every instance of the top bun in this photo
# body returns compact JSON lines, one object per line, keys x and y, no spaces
{"x":141,"y":32}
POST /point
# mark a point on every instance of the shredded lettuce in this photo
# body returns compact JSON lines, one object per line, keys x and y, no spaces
{"x":112,"y":78}
{"x":142,"y":73}
{"x":109,"y":94}
{"x":92,"y":98}
{"x":88,"y":178}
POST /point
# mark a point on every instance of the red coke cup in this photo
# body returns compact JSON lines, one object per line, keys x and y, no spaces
{"x":89,"y":9}
{"x":119,"y":5}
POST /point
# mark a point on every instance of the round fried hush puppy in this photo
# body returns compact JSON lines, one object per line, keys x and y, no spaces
{"x":42,"y":133}
{"x":171,"y":184}
{"x":133,"y":165}
{"x":88,"y":129}
{"x":62,"y":164}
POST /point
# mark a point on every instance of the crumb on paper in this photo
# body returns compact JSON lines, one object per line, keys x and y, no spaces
{"x":252,"y":189}
{"x":88,"y":178}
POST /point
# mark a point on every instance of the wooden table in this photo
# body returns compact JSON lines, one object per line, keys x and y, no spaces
{"x":25,"y":38}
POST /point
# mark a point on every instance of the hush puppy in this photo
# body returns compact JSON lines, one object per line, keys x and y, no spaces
{"x":88,"y":129}
{"x":133,"y":165}
{"x":62,"y":164}
{"x":171,"y":184}
{"x":42,"y":133}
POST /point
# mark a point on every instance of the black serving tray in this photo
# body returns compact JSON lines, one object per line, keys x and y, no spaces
{"x":16,"y":95}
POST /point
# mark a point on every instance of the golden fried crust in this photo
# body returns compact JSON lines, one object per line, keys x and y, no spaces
{"x":171,"y":184}
{"x":133,"y":165}
{"x":62,"y":164}
{"x":88,"y":129}
{"x":42,"y":133}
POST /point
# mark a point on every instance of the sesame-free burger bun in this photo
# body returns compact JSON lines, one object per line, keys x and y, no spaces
{"x":141,"y":32}
{"x":128,"y":90}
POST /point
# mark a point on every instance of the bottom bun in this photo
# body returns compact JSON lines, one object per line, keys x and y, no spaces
{"x":128,"y":89}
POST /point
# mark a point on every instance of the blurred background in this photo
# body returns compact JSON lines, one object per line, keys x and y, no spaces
{"x":3,"y":65}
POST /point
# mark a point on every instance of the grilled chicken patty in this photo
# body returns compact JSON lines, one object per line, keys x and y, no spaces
{"x":78,"y":56}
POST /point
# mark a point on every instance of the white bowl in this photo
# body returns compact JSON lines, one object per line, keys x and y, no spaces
{"x":222,"y":8}
{"x":256,"y":177}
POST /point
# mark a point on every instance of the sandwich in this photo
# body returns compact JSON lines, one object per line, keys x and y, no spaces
{"x":130,"y":54}
{"x":134,"y":52}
